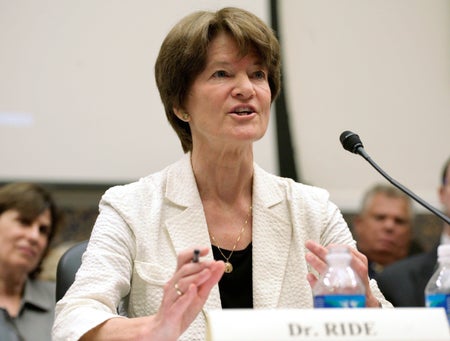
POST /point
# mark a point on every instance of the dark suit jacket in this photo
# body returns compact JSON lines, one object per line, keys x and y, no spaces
{"x":403,"y":282}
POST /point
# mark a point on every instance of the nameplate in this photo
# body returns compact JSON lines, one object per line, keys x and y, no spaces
{"x":389,"y":324}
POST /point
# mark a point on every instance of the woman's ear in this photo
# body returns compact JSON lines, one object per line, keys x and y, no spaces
{"x":178,"y":112}
{"x":182,"y":114}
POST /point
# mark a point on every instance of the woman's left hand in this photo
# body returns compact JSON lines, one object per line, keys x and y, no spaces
{"x":316,"y":259}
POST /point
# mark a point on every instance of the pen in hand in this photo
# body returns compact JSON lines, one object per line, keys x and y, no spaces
{"x":195,"y":258}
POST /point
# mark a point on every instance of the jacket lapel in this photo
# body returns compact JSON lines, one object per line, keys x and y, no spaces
{"x":186,"y":223}
{"x":272,"y":234}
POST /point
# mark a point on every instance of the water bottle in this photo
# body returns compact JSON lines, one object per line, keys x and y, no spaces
{"x":339,"y":286}
{"x":437,"y":291}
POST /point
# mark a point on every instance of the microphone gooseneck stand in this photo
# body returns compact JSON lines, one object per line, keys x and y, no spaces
{"x":352,"y":143}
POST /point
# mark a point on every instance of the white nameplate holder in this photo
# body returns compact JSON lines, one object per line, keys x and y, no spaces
{"x":328,"y":324}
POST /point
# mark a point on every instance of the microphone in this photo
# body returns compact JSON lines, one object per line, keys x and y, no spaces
{"x":351,"y":142}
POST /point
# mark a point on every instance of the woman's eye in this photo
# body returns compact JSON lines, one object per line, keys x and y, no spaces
{"x":44,"y":229}
{"x":260,"y":75}
{"x":220,"y":74}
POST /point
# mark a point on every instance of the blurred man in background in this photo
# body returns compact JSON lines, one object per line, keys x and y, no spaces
{"x":383,"y":228}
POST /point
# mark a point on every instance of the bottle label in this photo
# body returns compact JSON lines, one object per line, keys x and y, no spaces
{"x":340,"y":301}
{"x":439,"y":301}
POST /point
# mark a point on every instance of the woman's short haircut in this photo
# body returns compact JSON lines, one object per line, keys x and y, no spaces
{"x":183,"y":56}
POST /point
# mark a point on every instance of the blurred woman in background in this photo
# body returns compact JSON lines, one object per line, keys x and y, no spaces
{"x":29,"y":220}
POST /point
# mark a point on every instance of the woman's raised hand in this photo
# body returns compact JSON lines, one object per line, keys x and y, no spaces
{"x":186,"y":293}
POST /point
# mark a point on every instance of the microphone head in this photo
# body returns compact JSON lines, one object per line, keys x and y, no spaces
{"x":351,"y":141}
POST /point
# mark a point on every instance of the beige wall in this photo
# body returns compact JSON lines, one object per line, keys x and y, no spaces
{"x":78,"y":100}
{"x":380,"y":68}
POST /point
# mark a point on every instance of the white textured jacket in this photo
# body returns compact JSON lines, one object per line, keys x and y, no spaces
{"x":143,"y":225}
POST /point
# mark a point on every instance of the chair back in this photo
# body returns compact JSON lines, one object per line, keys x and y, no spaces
{"x":67,"y":267}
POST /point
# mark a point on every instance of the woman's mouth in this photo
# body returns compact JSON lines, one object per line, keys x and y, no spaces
{"x":243,"y":110}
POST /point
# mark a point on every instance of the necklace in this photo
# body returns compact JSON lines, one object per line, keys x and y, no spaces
{"x":228,"y":265}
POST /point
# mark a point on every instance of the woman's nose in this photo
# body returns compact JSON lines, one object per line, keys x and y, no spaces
{"x":244,"y":88}
{"x":33,"y":232}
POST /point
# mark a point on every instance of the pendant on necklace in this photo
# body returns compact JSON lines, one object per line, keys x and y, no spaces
{"x":228,"y":267}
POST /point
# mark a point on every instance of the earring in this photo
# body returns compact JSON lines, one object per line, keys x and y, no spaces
{"x":185,"y":116}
